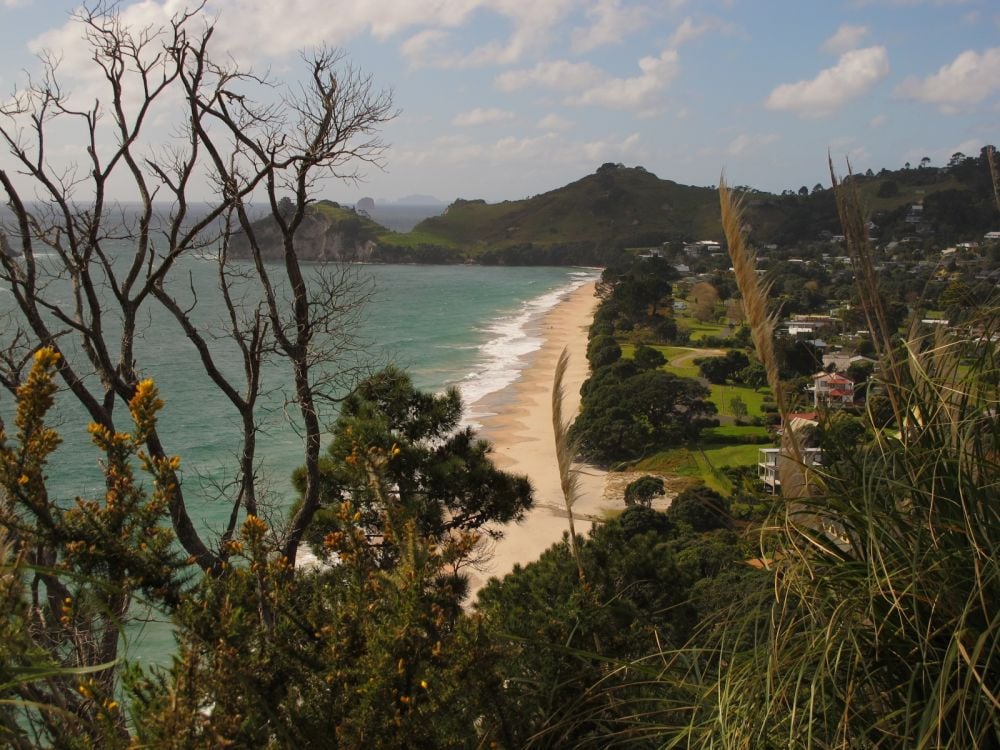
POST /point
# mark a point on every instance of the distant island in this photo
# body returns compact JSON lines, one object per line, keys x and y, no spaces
{"x":601,"y":216}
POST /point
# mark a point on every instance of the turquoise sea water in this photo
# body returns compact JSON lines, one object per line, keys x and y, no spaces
{"x":468,"y":326}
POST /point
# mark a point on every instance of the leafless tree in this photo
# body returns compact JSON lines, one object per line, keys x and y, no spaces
{"x":253,"y":142}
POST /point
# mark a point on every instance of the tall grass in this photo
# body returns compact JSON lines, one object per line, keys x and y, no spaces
{"x":884,"y":629}
{"x":566,"y":449}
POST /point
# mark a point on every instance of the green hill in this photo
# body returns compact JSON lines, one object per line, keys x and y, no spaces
{"x":591,"y":220}
{"x":616,"y":205}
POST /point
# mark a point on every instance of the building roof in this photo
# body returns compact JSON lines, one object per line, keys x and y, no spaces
{"x":832,"y":377}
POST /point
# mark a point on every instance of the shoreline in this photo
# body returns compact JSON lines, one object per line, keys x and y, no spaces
{"x":518,"y":422}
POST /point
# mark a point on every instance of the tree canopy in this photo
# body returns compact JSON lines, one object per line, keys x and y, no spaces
{"x":439,"y":472}
{"x":626,"y":412}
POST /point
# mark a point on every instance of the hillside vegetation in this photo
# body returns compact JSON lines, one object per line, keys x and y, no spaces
{"x":598,"y":217}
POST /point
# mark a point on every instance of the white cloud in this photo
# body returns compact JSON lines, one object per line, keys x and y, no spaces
{"x":553,"y":121}
{"x":610,"y":24}
{"x":588,"y":85}
{"x":554,"y":74}
{"x":250,"y":30}
{"x":641,"y":93}
{"x":970,"y":147}
{"x":482,"y":116}
{"x":855,"y":73}
{"x":878,"y":121}
{"x":689,"y":30}
{"x":744,"y":142}
{"x":421,"y":44}
{"x":969,"y":78}
{"x":532,"y":23}
{"x":545,"y":149}
{"x":845,"y":38}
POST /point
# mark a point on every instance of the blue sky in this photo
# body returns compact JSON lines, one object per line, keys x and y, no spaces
{"x":502,"y":99}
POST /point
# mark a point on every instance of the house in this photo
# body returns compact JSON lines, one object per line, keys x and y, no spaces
{"x":839,"y":360}
{"x":832,"y":389}
{"x":702,"y":247}
{"x":803,"y":424}
{"x":770,"y":461}
{"x":808,"y":324}
{"x":991,"y":236}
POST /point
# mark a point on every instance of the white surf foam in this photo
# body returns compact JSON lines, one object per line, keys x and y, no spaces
{"x":512,"y":339}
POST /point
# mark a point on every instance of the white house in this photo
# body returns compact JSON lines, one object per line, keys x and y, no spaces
{"x":832,"y":389}
{"x":769,"y":461}
{"x":702,"y":247}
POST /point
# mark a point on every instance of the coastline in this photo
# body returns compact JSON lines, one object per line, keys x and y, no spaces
{"x":518,"y":422}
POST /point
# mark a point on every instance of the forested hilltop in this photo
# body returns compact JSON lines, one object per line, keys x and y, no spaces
{"x":596,"y":219}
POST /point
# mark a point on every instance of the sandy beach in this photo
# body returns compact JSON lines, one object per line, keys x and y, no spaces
{"x":521,"y":433}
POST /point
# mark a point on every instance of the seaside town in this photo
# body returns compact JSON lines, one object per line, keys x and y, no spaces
{"x":611,"y":452}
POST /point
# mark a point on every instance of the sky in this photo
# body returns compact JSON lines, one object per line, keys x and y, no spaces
{"x":504,"y":99}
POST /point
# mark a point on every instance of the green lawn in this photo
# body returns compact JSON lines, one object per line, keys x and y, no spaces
{"x":736,"y":431}
{"x":669,"y":353}
{"x":700,"y":330}
{"x":732,"y":455}
{"x":723,"y":394}
{"x":701,"y":464}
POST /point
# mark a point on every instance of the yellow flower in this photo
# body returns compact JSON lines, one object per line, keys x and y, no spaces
{"x":46,"y":356}
{"x":254,"y":527}
{"x":144,"y":388}
{"x":423,"y":684}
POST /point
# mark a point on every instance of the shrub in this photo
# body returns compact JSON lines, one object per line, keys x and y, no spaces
{"x":701,"y":508}
{"x":643,"y":490}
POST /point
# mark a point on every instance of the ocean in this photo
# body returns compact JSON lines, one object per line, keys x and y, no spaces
{"x":471,"y":327}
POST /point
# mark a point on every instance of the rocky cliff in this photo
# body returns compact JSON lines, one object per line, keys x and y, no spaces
{"x":328,"y":232}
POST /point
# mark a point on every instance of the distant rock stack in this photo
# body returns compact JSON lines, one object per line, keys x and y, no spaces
{"x":365,"y":206}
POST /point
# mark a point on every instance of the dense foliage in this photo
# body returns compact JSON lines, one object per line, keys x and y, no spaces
{"x":627,"y":411}
{"x":439,"y":473}
{"x":856,"y":610}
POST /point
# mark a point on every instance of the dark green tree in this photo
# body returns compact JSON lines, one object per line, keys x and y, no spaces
{"x":626,"y":413}
{"x":753,"y":375}
{"x":701,"y":508}
{"x":603,"y":351}
{"x":440,"y":473}
{"x":648,"y":358}
{"x":643,"y":490}
{"x":637,"y":599}
{"x":721,"y":369}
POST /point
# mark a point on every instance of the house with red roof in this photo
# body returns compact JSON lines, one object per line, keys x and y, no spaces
{"x":832,"y":389}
